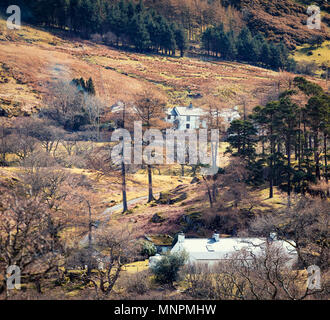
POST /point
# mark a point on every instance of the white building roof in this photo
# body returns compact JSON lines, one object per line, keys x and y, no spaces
{"x":190,"y":111}
{"x":209,"y":249}
{"x":187,"y":111}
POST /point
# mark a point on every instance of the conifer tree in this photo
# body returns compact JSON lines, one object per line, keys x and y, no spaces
{"x":288,"y":126}
{"x":269,"y":118}
{"x":140,"y":35}
{"x":265,"y":54}
{"x":90,"y":86}
{"x":180,"y":39}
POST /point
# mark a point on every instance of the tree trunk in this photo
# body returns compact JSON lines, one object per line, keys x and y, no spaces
{"x":123,"y":175}
{"x":289,"y":168}
{"x":299,"y":142}
{"x":90,"y":226}
{"x":209,"y":192}
{"x":316,"y":156}
{"x":214,"y":191}
{"x":150,"y":195}
{"x":271,"y":175}
{"x":325,"y":157}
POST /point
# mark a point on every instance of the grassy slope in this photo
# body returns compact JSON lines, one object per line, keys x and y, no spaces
{"x":283,"y":20}
{"x":320,"y":55}
{"x":31,"y":58}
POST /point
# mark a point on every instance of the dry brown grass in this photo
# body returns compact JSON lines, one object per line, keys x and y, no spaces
{"x":31,"y":59}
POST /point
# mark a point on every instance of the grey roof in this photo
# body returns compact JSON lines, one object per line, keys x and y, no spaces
{"x":209,"y":249}
{"x":187,"y":111}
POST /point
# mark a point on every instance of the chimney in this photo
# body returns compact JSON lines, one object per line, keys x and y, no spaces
{"x":181,"y":237}
{"x":216,"y":236}
{"x":273,"y":236}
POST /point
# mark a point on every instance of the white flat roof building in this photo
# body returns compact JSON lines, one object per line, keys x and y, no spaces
{"x":215,"y":249}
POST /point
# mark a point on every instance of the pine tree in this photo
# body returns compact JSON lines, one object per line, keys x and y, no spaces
{"x":289,"y":115}
{"x":275,"y":57}
{"x":90,"y":86}
{"x":140,"y":36}
{"x":265,"y":54}
{"x":228,"y":48}
{"x":242,"y":136}
{"x":269,"y":119}
{"x":207,"y":40}
{"x":317,"y":111}
{"x":152,"y":30}
{"x":244,"y":44}
{"x":180,"y":39}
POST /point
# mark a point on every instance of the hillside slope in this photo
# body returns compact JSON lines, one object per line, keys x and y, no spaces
{"x":278,"y":20}
{"x":283,"y":20}
{"x":31,"y":59}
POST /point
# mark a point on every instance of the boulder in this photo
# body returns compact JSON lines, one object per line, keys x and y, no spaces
{"x":156,"y":218}
{"x":194,"y":180}
{"x":3,"y":112}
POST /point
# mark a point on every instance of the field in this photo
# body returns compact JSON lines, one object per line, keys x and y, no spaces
{"x":318,"y":54}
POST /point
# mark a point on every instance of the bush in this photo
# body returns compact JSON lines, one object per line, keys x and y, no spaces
{"x":199,"y":280}
{"x":138,"y":282}
{"x":148,"y":249}
{"x":307,"y":68}
{"x":167,"y":269}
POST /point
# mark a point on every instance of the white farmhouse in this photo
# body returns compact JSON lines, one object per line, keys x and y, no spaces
{"x":216,"y":249}
{"x":184,"y":118}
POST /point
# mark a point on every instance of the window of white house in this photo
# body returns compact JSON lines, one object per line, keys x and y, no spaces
{"x":188,"y":126}
{"x":169,"y":117}
{"x":188,"y":118}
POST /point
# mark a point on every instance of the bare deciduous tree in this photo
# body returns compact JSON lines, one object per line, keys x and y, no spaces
{"x":246,"y":275}
{"x":28,"y":235}
{"x":307,"y":224}
{"x":150,"y":110}
{"x":117,"y":249}
{"x":21,"y":142}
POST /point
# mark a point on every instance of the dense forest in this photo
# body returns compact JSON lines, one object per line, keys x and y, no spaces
{"x":124,"y":22}
{"x":246,"y":47}
{"x":218,"y":27}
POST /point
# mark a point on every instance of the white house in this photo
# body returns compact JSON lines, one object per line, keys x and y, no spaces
{"x":184,"y":118}
{"x":190,"y":117}
{"x":230,"y":114}
{"x":216,"y":249}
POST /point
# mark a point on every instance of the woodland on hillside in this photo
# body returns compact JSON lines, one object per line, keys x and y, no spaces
{"x":234,"y":30}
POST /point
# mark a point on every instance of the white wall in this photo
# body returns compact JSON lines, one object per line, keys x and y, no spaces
{"x":194,"y":122}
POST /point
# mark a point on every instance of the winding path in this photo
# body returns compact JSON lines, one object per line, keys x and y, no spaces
{"x":109,"y":211}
